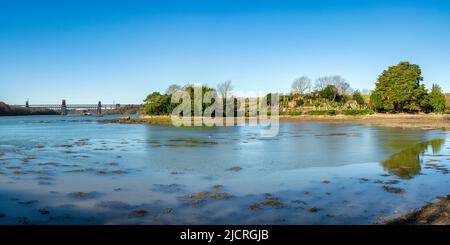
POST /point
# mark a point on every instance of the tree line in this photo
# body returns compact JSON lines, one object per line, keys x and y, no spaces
{"x":398,"y":89}
{"x":160,"y":104}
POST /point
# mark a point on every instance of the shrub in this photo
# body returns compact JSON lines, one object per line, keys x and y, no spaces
{"x":291,"y":113}
{"x":357,"y":112}
{"x":329,"y":112}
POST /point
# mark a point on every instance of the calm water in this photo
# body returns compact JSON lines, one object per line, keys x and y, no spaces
{"x":74,"y":170}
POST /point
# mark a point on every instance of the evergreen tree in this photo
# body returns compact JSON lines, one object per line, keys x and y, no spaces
{"x":436,"y":99}
{"x":358,"y":98}
{"x":399,"y":89}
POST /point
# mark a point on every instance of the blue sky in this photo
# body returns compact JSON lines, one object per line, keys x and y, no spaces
{"x":85,"y":51}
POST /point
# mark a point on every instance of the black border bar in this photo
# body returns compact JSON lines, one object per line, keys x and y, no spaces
{"x":276,"y":233}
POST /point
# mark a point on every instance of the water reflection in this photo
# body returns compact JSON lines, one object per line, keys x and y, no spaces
{"x":407,"y":163}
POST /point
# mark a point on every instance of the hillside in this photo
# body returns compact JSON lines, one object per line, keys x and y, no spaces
{"x":9,"y":110}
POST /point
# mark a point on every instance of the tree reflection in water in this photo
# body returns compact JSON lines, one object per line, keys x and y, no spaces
{"x":406,"y":163}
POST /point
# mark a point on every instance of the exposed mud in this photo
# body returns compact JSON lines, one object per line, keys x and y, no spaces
{"x":85,"y":195}
{"x":234,"y":169}
{"x":393,"y":189}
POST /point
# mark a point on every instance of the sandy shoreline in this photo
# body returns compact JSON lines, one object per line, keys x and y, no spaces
{"x":417,"y":121}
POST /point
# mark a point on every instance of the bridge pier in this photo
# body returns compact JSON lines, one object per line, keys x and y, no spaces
{"x":63,"y":108}
{"x":99,"y":108}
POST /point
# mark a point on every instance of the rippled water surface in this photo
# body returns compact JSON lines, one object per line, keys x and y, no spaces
{"x":75,"y":170}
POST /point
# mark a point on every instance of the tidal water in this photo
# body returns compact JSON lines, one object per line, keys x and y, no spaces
{"x":76,"y":170}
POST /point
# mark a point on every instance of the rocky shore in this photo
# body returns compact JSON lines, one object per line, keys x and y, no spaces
{"x":437,"y":213}
{"x":159,"y":120}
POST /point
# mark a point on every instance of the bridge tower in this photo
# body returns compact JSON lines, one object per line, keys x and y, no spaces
{"x":27,"y":105}
{"x":63,"y":108}
{"x":99,"y":108}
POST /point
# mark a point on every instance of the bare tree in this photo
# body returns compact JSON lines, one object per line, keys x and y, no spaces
{"x":366,"y":91}
{"x":301,"y":85}
{"x":341,"y":85}
{"x":322,"y":82}
{"x":343,"y":88}
{"x":173,"y":88}
{"x":224,"y":88}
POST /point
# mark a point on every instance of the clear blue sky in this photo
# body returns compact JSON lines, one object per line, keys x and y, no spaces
{"x":86,"y":51}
